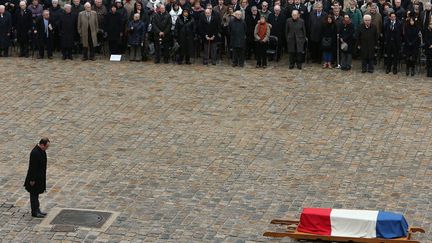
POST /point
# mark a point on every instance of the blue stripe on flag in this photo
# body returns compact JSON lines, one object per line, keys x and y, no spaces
{"x":391,"y":225}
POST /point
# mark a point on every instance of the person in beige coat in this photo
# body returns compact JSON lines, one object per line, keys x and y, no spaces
{"x":87,"y":29}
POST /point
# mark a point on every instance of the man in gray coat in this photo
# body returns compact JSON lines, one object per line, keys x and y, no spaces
{"x":295,"y":32}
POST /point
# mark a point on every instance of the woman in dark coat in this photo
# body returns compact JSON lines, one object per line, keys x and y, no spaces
{"x":137,"y":32}
{"x":328,"y":40}
{"x":67,"y":25}
{"x":185,"y":32}
{"x":428,"y":46}
{"x":114,"y":27}
{"x":411,"y":45}
{"x":346,"y":35}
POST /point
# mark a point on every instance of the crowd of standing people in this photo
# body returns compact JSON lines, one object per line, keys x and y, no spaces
{"x":330,"y":32}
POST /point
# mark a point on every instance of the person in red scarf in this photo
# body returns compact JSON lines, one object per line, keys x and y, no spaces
{"x":262,"y":33}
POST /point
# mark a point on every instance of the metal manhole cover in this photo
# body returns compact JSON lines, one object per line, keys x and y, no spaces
{"x":84,"y":218}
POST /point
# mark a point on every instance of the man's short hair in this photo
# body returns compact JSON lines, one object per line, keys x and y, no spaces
{"x":44,"y":141}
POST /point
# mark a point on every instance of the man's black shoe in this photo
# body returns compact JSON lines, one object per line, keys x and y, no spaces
{"x":363,"y":70}
{"x":291,"y":66}
{"x":40,"y":212}
{"x":395,"y":71}
{"x":38,"y":215}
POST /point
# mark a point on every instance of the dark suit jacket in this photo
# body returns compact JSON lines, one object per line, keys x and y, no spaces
{"x":209,"y":29}
{"x":40,"y":28}
{"x":36,"y":171}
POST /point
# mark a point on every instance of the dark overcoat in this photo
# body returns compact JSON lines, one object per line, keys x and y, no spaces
{"x":67,"y":25}
{"x":161,"y":22}
{"x":237,"y":30}
{"x":5,"y":29}
{"x":40,"y":28}
{"x":36,"y":171}
{"x":114,"y":26}
{"x":185,"y":33}
{"x":411,"y":42}
{"x":428,"y":42}
{"x":295,"y":32}
{"x":367,"y":40}
{"x":137,"y":31}
{"x":23,"y":23}
{"x":347,"y":33}
{"x":209,"y":29}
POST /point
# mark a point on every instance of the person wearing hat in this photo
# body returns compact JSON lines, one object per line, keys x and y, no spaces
{"x":185,"y":33}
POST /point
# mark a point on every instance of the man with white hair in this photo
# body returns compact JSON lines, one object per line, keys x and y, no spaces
{"x":5,"y":31}
{"x":277,"y":21}
{"x":87,"y":29}
{"x":55,"y":12}
{"x":296,"y":38}
{"x":367,"y":41}
{"x":23,"y":24}
{"x":237,"y":31}
{"x":67,"y":26}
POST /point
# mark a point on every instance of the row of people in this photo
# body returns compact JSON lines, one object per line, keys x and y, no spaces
{"x":399,"y":35}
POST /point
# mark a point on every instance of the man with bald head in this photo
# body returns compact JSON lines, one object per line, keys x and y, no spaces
{"x":161,"y":26}
{"x":209,"y":32}
{"x":237,"y":31}
{"x":367,"y":41}
{"x":5,"y":31}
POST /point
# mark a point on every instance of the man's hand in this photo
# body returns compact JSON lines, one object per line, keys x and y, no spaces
{"x":32,"y":183}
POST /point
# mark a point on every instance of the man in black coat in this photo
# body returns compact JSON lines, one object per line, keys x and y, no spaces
{"x":55,"y":13}
{"x":367,"y":41}
{"x":114,"y":28}
{"x":67,"y":25}
{"x":35,"y":182}
{"x":316,"y":20}
{"x":237,"y":31}
{"x":44,"y":31}
{"x":23,"y":24}
{"x":392,"y":42}
{"x":209,"y":31}
{"x":251,"y":21}
{"x":5,"y":31}
{"x":161,"y":26}
{"x":277,"y":21}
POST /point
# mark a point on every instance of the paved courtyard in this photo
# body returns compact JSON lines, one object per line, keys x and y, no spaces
{"x":199,"y":154}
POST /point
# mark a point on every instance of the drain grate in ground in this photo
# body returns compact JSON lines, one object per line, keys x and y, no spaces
{"x":71,"y":219}
{"x":83,"y":218}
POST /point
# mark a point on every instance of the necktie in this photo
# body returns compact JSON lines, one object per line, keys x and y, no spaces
{"x":208,"y":19}
{"x":392,"y":26}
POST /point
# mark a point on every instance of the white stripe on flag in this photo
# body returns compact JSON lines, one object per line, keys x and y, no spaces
{"x":353,"y":223}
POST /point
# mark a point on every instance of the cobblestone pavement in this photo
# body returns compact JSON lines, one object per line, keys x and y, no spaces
{"x":198,"y":154}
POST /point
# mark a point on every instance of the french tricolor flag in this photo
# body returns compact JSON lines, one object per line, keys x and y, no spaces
{"x":352,"y":223}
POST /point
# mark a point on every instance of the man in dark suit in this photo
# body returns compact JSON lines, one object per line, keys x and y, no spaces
{"x":35,"y":182}
{"x":44,"y":31}
{"x":5,"y":31}
{"x":23,"y":24}
{"x":277,"y":21}
{"x":316,"y":20}
{"x":161,"y":26}
{"x":392,"y":42}
{"x":209,"y":31}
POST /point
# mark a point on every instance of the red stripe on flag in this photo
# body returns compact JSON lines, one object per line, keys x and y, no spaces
{"x":315,"y":221}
